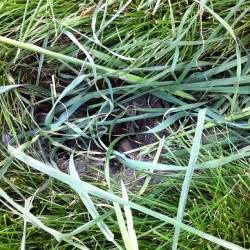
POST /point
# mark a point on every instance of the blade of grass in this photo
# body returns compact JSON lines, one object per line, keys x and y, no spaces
{"x":88,"y":202}
{"x":156,"y":158}
{"x":129,"y":219}
{"x":99,"y":68}
{"x":189,"y":173}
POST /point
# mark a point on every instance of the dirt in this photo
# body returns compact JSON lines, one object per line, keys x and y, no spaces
{"x":129,"y":143}
{"x":145,"y":101}
{"x":135,"y":139}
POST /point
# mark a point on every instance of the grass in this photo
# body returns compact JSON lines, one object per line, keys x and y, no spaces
{"x":77,"y":65}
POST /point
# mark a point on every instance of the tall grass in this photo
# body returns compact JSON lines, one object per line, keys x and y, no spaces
{"x":77,"y":65}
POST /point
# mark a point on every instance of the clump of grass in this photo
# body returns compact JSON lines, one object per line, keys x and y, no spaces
{"x":78,"y":71}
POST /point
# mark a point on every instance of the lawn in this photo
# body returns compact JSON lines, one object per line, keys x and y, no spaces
{"x":124,"y":124}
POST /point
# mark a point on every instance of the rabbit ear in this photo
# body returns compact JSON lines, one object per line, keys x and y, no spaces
{"x":126,"y":145}
{"x":156,"y":102}
{"x":131,"y":127}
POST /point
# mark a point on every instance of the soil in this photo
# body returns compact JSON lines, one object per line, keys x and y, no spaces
{"x":133,"y":141}
{"x":145,"y":101}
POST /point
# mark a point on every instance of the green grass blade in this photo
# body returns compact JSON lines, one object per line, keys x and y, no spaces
{"x":189,"y":173}
{"x":88,"y":202}
{"x":129,"y":219}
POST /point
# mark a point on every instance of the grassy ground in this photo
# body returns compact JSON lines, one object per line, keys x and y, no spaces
{"x":69,"y":70}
